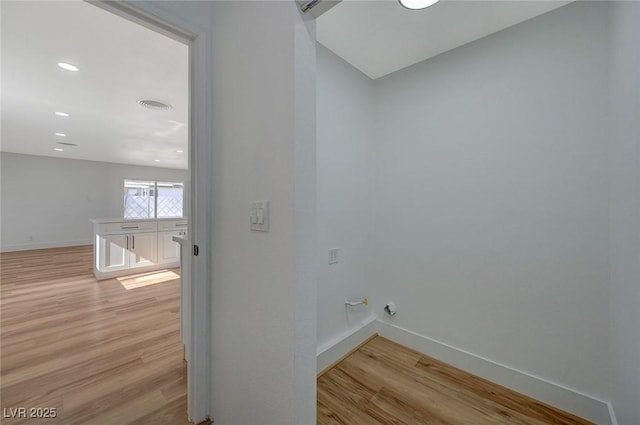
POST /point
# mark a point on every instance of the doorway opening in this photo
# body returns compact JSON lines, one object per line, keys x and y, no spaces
{"x":121,"y":158}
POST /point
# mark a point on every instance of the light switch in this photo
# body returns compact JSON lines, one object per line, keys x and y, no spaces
{"x":259,"y":216}
{"x":333,"y":255}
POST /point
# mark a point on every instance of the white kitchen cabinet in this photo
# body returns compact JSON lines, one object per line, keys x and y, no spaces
{"x":135,"y":246}
{"x":112,"y":254}
{"x":172,"y":225}
{"x":128,"y":251}
{"x":143,"y":249}
{"x":168,"y":250}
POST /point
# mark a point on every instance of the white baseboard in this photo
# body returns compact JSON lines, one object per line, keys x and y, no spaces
{"x":43,"y":245}
{"x":334,"y":350}
{"x":557,"y":395}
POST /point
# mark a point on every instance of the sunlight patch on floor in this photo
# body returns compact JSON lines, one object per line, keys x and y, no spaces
{"x":146,"y":279}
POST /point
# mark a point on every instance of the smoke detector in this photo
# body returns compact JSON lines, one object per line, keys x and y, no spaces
{"x":155,"y":104}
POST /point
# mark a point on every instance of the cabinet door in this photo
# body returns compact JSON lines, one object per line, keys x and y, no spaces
{"x":112,"y":252}
{"x":143,"y":249}
{"x":168,"y":250}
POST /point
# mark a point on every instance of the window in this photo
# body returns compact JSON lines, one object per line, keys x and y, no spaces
{"x":169,"y":199}
{"x":152,"y":199}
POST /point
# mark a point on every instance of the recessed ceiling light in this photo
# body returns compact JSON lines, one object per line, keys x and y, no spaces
{"x":179,"y":151}
{"x":58,"y":149}
{"x":417,"y":4}
{"x":61,"y":134}
{"x":68,"y":67}
{"x":156,"y":160}
{"x":62,"y":114}
{"x":155,"y":104}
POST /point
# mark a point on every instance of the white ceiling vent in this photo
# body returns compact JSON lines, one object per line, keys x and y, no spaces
{"x":155,"y":104}
{"x":67,"y":144}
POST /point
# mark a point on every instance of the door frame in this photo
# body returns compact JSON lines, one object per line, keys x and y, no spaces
{"x":165,"y":18}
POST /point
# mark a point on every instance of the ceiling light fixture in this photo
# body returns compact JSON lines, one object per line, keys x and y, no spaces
{"x":155,"y":104}
{"x":68,"y":67}
{"x":156,"y":160}
{"x":61,"y":134}
{"x":62,"y":114}
{"x":179,"y":151}
{"x":417,"y":4}
{"x":58,"y":149}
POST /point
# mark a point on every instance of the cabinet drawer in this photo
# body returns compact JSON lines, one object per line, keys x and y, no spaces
{"x":127,"y":227}
{"x":172,"y":225}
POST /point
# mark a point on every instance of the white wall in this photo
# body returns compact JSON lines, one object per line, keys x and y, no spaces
{"x":47,"y":202}
{"x":344,"y":192}
{"x":491,"y":212}
{"x":625,"y":212}
{"x":263,"y":293}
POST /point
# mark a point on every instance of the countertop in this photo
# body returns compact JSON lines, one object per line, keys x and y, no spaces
{"x":180,"y":239}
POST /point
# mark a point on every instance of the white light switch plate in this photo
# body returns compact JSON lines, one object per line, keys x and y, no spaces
{"x":259,"y":216}
{"x":333,"y":255}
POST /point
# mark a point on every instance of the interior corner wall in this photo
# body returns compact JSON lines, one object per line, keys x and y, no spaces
{"x":491,"y":206}
{"x":305,"y":212}
{"x":48,"y":202}
{"x":344,"y":193}
{"x":261,"y":149}
{"x":625,"y":212}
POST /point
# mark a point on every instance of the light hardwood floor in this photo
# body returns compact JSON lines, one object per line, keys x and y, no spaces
{"x":98,"y":353}
{"x":386,"y":383}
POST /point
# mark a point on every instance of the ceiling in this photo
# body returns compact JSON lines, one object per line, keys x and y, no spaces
{"x":379,"y":37}
{"x":120,"y":63}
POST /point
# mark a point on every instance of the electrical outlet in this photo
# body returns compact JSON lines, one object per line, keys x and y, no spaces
{"x":333,"y":255}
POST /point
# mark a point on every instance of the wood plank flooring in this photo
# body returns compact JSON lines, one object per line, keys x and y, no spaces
{"x":385,"y":383}
{"x":96,"y":352}
{"x":102,"y":354}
